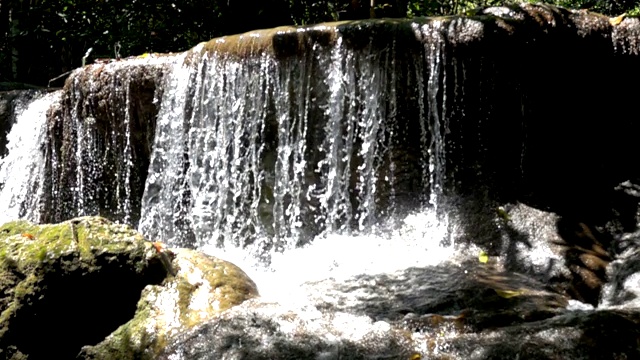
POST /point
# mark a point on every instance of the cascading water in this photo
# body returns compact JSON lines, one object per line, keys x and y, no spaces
{"x":99,"y":141}
{"x":22,"y":169}
{"x":295,"y":148}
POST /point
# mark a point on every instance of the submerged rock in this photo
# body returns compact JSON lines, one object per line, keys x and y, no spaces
{"x":262,"y":330}
{"x":202,"y":288}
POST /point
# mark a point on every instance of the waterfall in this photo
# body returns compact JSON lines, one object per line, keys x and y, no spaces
{"x":22,"y":168}
{"x":271,"y":151}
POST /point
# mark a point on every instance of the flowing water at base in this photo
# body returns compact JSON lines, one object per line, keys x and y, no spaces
{"x":415,"y":241}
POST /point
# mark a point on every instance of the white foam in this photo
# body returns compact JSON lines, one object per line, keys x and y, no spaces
{"x":416,"y":242}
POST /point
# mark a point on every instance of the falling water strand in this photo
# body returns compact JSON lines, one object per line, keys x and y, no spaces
{"x":424,"y":131}
{"x":163,"y":202}
{"x":375,"y":85}
{"x":434,"y":51}
{"x":330,"y":190}
{"x":384,"y":155}
{"x":21,"y":170}
{"x":124,"y":161}
{"x":292,"y":99}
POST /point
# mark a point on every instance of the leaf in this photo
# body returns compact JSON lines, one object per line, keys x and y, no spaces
{"x":507,"y":294}
{"x":503,"y":214}
{"x":483,"y":257}
{"x":617,"y":20}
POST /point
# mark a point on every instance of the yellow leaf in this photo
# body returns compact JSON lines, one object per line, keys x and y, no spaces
{"x":145,"y":55}
{"x":415,"y":356}
{"x":483,"y":257}
{"x":507,"y":294}
{"x":617,"y":20}
{"x":503,"y":214}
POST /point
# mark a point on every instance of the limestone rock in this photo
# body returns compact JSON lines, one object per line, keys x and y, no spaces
{"x":202,"y":288}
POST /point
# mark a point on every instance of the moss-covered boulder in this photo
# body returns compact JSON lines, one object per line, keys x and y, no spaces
{"x":76,"y":283}
{"x":203,"y":287}
{"x":69,"y":284}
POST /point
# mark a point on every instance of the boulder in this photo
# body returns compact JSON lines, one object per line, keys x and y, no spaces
{"x":412,"y":314}
{"x":203,"y":287}
{"x":99,"y":290}
{"x":70,"y":284}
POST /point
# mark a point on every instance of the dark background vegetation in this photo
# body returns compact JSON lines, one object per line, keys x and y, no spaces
{"x":42,"y":39}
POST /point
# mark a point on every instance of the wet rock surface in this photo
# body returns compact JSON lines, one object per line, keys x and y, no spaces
{"x":444,"y":312}
{"x":103,"y":130}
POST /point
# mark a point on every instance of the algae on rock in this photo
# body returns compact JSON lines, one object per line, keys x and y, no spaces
{"x":202,"y":288}
{"x":74,"y":283}
{"x":70,"y":284}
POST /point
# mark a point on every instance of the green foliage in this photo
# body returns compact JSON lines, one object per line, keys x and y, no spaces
{"x":40,"y":40}
{"x":61,"y":31}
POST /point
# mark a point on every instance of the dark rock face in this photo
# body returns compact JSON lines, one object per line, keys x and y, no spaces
{"x":100,"y":140}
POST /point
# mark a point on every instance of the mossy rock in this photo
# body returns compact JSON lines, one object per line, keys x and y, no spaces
{"x":202,"y":288}
{"x":70,"y":284}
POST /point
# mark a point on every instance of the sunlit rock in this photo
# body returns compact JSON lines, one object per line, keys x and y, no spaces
{"x":202,"y":288}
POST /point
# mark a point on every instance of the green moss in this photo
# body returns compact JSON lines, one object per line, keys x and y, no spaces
{"x":129,"y":341}
{"x":31,"y":255}
{"x":185,"y":291}
{"x":202,"y":288}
